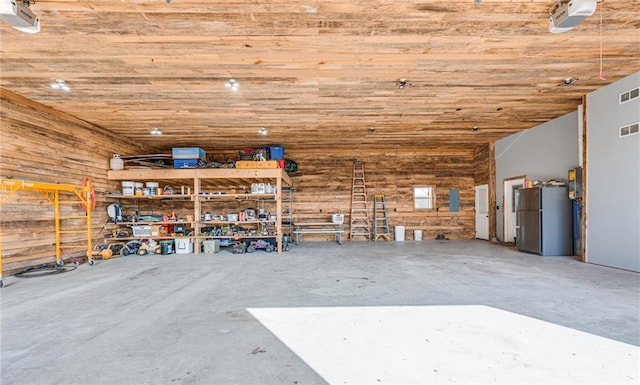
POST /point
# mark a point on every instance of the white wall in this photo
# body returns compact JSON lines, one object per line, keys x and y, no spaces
{"x":544,"y":152}
{"x":613,"y":178}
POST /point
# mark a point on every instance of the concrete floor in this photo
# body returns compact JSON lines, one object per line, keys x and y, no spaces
{"x":183,"y":319}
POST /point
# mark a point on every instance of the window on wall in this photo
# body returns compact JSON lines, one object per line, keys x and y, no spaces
{"x":423,"y":197}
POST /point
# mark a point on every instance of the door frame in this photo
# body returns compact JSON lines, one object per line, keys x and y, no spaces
{"x":507,"y":203}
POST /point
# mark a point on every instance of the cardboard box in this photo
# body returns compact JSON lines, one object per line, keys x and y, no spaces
{"x":156,"y":230}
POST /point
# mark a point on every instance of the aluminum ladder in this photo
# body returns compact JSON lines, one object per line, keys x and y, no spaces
{"x":359,"y":210}
{"x":380,"y":222}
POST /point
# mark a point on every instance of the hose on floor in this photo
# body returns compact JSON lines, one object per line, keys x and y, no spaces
{"x":43,"y":270}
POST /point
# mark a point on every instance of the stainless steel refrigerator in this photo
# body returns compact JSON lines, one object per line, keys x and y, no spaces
{"x":543,"y":221}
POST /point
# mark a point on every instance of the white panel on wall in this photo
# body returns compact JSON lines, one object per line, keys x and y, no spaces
{"x":613,"y":175}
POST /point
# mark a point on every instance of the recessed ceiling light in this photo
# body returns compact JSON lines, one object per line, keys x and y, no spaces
{"x":156,"y":131}
{"x":233,"y":84}
{"x":402,"y":83}
{"x":310,"y":9}
{"x":263,"y":131}
{"x":60,"y":84}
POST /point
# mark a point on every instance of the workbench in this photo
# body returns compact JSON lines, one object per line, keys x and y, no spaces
{"x":318,"y":228}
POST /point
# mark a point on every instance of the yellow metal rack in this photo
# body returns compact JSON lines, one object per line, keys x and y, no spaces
{"x":51,"y":192}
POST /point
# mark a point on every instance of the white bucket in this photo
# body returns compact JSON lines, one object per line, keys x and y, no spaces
{"x":153,"y":188}
{"x":127,"y":188}
{"x":399,"y":233}
{"x":417,"y":235}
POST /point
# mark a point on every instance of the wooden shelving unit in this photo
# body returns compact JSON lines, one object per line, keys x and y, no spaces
{"x":213,"y":185}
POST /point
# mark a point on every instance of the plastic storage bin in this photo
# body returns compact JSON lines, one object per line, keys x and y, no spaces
{"x":166,"y":247}
{"x":141,"y":231}
{"x":399,"y":233}
{"x":276,"y":152}
{"x":211,"y":246}
{"x":183,"y":246}
{"x":187,"y":157}
{"x":185,"y":163}
{"x":188,"y":153}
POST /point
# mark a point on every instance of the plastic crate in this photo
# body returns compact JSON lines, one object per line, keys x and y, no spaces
{"x":188,"y":153}
{"x":156,"y":230}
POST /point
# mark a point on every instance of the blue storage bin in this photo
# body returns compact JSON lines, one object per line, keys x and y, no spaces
{"x":185,"y":163}
{"x":188,"y":153}
{"x":276,"y":152}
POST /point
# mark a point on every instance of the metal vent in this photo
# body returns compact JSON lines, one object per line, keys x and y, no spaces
{"x":629,"y":95}
{"x":629,"y":130}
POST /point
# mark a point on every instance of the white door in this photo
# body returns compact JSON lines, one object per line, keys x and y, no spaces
{"x":482,"y":212}
{"x":509,"y":208}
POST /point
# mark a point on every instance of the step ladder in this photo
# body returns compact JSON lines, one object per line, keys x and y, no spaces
{"x":380,"y":222}
{"x":359,"y":210}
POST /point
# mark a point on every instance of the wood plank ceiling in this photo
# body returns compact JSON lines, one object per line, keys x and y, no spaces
{"x":316,"y":74}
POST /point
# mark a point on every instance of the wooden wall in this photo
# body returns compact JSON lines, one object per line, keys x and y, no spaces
{"x":325,"y":182}
{"x":43,"y":144}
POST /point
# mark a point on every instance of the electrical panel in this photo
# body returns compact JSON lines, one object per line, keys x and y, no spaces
{"x":575,"y":183}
